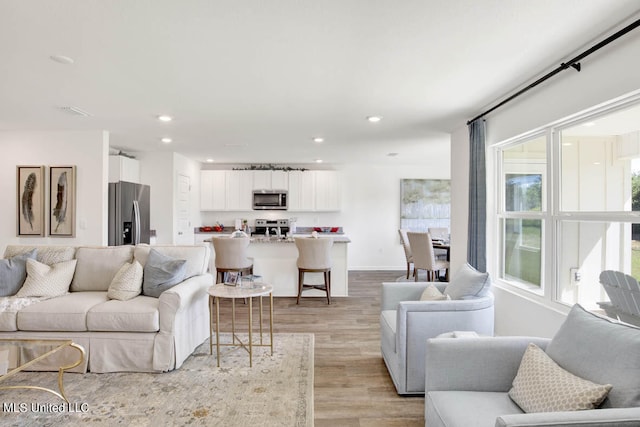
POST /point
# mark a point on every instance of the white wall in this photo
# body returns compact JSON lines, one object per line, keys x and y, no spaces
{"x":160,"y":170}
{"x":88,"y":151}
{"x":608,"y":74}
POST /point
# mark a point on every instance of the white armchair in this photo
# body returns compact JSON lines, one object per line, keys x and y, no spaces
{"x":406,"y":323}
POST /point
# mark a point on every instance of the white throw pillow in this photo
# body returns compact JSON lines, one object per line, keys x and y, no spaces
{"x":431,"y":293}
{"x":541,"y":385}
{"x":127,"y":283}
{"x":47,"y":281}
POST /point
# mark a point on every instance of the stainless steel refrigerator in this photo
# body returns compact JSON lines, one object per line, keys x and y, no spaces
{"x":129,"y":207}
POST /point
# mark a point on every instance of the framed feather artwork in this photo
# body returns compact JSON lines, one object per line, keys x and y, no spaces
{"x":62,"y":201}
{"x":30,"y":201}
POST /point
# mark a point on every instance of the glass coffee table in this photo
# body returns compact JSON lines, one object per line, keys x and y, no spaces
{"x":216,"y":292}
{"x":17,"y":355}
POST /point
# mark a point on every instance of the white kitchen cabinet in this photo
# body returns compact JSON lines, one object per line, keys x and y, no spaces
{"x":327,"y":191}
{"x":213,"y":190}
{"x":301,"y":191}
{"x":270,"y":180}
{"x":239,"y":190}
{"x":122,"y":168}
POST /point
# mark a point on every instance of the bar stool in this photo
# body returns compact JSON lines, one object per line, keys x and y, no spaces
{"x":231,"y":256}
{"x":314,"y":256}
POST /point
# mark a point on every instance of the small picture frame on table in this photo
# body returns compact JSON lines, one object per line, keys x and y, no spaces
{"x":30,"y":201}
{"x":232,"y":278}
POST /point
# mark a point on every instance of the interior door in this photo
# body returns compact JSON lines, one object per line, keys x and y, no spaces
{"x":183,"y":214}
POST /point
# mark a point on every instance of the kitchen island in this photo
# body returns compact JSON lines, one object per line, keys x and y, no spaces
{"x":275,"y":260}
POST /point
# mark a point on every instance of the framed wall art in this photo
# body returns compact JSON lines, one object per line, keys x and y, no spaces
{"x":62,"y":201}
{"x":30,"y":201}
{"x":425,"y":203}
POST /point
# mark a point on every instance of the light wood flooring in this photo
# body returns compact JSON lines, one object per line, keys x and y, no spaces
{"x":352,"y":386}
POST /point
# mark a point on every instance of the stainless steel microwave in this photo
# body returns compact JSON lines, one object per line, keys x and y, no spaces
{"x":270,"y":200}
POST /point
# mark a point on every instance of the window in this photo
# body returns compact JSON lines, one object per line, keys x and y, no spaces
{"x":524,"y":167}
{"x":569,"y":208}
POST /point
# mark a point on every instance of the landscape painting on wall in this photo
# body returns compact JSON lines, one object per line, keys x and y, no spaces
{"x":30,"y":201}
{"x":425,"y":203}
{"x":62,"y":201}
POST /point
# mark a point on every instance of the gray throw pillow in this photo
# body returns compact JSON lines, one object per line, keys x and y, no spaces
{"x":468,"y":283}
{"x":162,"y":272}
{"x":13,"y":272}
{"x":601,"y":351}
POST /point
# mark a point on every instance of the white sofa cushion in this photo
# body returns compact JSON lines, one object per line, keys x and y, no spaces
{"x":466,"y":408}
{"x":9,"y":308}
{"x":139,"y":314}
{"x":65,"y":313}
{"x":97,"y":266}
{"x":45,"y":254}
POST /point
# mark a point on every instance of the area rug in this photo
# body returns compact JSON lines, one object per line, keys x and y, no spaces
{"x":276,"y":391}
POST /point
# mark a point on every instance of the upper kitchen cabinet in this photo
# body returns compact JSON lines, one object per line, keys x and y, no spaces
{"x":327,"y":191}
{"x":302,"y":191}
{"x":213,"y":190}
{"x":122,"y":168}
{"x":270,"y":180}
{"x":239,"y":189}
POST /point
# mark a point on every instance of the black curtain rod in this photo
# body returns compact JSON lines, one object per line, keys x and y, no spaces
{"x":573,"y":63}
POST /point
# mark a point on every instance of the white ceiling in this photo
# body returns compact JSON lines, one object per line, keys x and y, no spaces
{"x":253,"y":81}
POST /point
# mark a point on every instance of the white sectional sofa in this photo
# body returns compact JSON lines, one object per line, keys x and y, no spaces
{"x":142,"y":334}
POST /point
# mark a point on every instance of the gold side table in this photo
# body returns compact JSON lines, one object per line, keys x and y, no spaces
{"x":216,"y":292}
{"x":32,"y":351}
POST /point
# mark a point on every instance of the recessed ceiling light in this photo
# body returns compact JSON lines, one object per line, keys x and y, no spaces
{"x":209,"y":160}
{"x":165,"y":118}
{"x":589,"y":124}
{"x":61,"y":59}
{"x":392,"y":154}
{"x":318,"y":160}
{"x":374,"y":119}
{"x":318,"y":139}
{"x":167,"y":140}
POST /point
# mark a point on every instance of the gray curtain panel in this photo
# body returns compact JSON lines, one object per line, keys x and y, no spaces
{"x":476,"y":249}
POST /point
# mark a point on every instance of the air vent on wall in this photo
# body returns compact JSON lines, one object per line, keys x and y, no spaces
{"x":75,"y":111}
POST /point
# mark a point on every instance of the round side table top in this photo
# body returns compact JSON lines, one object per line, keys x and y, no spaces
{"x":224,"y":291}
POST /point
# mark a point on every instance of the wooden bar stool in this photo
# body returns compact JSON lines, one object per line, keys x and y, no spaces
{"x":231,"y":256}
{"x":314,"y":256}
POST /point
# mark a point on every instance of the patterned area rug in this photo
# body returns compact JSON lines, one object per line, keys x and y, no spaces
{"x":276,"y":391}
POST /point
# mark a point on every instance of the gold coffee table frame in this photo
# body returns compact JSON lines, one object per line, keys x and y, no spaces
{"x":224,"y":291}
{"x":58,"y":345}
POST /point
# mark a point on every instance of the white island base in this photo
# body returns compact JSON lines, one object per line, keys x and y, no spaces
{"x":275,"y":261}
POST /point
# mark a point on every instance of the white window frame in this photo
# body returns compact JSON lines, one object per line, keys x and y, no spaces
{"x":552,"y":217}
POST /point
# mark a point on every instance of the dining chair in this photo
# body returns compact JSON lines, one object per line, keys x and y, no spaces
{"x":231,"y":256}
{"x":407,"y":249}
{"x":314,"y":256}
{"x":424,"y":256}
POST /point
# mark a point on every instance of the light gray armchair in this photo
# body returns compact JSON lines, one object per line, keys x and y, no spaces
{"x":406,"y":323}
{"x":468,"y":380}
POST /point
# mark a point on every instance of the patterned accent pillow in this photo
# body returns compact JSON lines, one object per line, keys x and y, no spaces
{"x":47,"y":281}
{"x":541,"y":385}
{"x":431,"y":293}
{"x":127,"y":283}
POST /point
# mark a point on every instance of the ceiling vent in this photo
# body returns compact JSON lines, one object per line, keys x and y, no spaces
{"x":75,"y":111}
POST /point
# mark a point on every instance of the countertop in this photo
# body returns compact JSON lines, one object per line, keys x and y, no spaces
{"x":337,"y":238}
